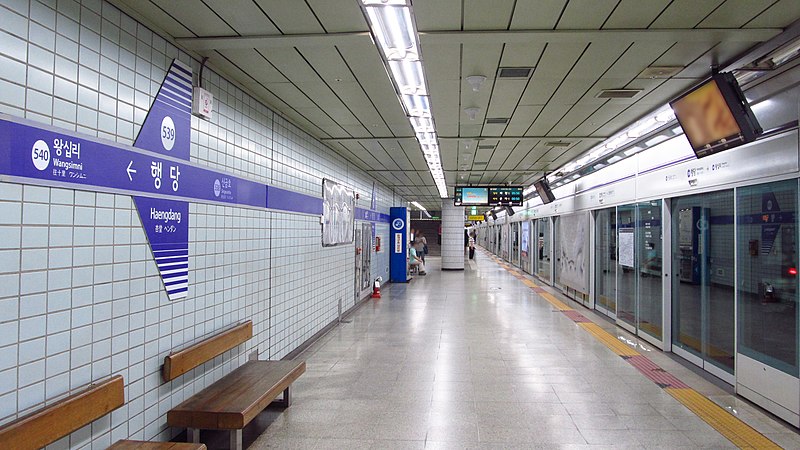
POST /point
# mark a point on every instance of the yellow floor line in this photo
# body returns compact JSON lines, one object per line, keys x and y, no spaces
{"x":734,"y":429}
{"x":608,"y":339}
{"x":555,"y":302}
{"x":730,"y":426}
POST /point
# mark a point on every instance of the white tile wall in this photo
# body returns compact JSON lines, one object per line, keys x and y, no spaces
{"x":452,"y":235}
{"x":80,"y":294}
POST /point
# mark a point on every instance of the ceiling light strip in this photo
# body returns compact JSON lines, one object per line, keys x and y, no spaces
{"x":395,"y":33}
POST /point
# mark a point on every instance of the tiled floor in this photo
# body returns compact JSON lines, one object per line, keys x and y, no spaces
{"x":475,"y":359}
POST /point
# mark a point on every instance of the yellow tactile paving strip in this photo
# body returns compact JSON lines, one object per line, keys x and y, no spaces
{"x":610,"y":341}
{"x":738,"y":432}
{"x":734,"y":429}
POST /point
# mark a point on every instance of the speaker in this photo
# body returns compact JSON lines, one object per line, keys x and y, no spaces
{"x":494,"y":216}
{"x":509,"y":211}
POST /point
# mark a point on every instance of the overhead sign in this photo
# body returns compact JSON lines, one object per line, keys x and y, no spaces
{"x":488,"y":196}
{"x":59,"y":158}
{"x":476,"y":218}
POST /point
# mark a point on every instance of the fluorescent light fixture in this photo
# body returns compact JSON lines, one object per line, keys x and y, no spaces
{"x":677,"y":130}
{"x":633,"y":150}
{"x":417,"y":105}
{"x":422,"y":124}
{"x":667,"y":115}
{"x":394,"y":32}
{"x":418,"y":206}
{"x":393,"y":28}
{"x":656,"y":140}
{"x":409,"y":78}
{"x":427,"y":138}
{"x":614,"y":159}
{"x":384,"y":2}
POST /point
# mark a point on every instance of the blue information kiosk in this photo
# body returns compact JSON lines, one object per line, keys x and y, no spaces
{"x":398,"y":227}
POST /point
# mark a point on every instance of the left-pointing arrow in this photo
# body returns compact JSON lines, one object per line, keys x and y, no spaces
{"x":130,"y":170}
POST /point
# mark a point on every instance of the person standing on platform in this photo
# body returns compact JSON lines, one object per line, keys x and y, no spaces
{"x":421,"y":239}
{"x":472,"y":245}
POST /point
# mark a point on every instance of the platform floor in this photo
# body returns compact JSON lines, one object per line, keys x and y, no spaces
{"x":479,"y":359}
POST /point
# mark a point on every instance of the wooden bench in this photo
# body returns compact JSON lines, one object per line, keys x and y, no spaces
{"x":141,"y":445}
{"x":237,"y":398}
{"x":71,"y":413}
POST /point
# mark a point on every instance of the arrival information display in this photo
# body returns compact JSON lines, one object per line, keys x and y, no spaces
{"x":488,"y":196}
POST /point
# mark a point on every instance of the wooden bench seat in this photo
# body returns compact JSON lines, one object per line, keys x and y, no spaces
{"x":237,"y":398}
{"x":142,"y":445}
{"x":64,"y":416}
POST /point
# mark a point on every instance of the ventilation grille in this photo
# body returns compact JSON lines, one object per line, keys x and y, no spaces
{"x":515,"y":72}
{"x":618,"y":93}
{"x":481,"y":163}
{"x":557,"y":144}
{"x":497,"y":120}
{"x":486,"y":147}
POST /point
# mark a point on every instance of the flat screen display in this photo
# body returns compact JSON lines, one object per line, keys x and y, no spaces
{"x":715,"y":116}
{"x":488,"y":196}
{"x":543,"y":189}
{"x":505,"y":196}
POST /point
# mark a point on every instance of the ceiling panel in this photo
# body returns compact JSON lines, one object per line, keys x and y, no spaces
{"x":555,"y":64}
{"x":254,"y":65}
{"x":339,"y":16}
{"x":337,"y":86}
{"x":781,"y":14}
{"x":478,"y":17}
{"x":244,"y":16}
{"x":537,"y":14}
{"x":202,"y":21}
{"x":633,"y":14}
{"x":586,"y":14}
{"x":685,"y":13}
{"x":438,"y":15}
{"x":522,"y":119}
{"x":734,"y":14}
{"x":291,"y":16}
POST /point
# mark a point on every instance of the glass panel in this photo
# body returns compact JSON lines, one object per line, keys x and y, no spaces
{"x":515,"y":243}
{"x":556,"y":224}
{"x":702,"y":285}
{"x":543,"y":269}
{"x":525,"y":246}
{"x":650,"y":267}
{"x":767,"y":273}
{"x":626,"y":274}
{"x":606,"y":259}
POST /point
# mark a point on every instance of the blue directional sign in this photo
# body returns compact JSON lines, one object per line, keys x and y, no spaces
{"x":168,"y":125}
{"x":166,"y":223}
{"x":34,"y":152}
{"x":156,"y":172}
{"x":167,"y":130}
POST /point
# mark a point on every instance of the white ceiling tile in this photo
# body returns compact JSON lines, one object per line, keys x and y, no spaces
{"x":339,"y":16}
{"x":537,"y":14}
{"x":195,"y":16}
{"x":585,"y":14}
{"x":291,"y":16}
{"x":478,"y":16}
{"x":244,"y":16}
{"x":631,"y":14}
{"x":438,"y":15}
{"x":685,"y":13}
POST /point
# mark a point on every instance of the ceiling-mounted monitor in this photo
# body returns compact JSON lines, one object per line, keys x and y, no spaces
{"x":716,"y":116}
{"x":471,"y":196}
{"x":488,"y":196}
{"x":544,"y":191}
